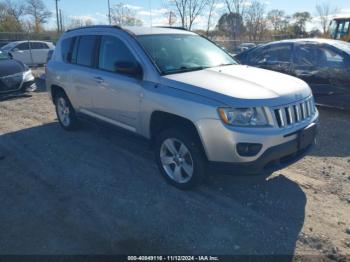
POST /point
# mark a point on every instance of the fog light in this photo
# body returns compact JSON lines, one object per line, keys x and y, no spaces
{"x":248,"y":149}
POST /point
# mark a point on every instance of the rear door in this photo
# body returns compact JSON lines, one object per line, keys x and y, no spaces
{"x":306,"y":67}
{"x":327,"y":71}
{"x":335,"y":65}
{"x":83,"y":61}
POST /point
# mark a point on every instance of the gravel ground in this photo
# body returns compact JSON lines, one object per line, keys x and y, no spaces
{"x":98,"y":191}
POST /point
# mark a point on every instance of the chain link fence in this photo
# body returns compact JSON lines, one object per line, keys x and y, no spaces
{"x":7,"y":37}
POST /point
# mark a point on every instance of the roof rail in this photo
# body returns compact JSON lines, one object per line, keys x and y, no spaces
{"x":174,"y":27}
{"x":95,"y":26}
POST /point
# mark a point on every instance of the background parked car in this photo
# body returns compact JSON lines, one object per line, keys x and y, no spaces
{"x":323,"y":64}
{"x":14,"y":76}
{"x":29,"y":52}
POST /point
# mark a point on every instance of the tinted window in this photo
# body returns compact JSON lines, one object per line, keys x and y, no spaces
{"x":23,"y":46}
{"x":86,"y":48}
{"x":305,"y":55}
{"x":67,"y":46}
{"x":272,"y":54}
{"x":319,"y":56}
{"x":112,"y":52}
{"x":330,"y":57}
{"x":38,"y":45}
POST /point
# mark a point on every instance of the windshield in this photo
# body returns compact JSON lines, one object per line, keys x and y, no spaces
{"x":3,"y":56}
{"x":183,"y":53}
{"x":8,"y":46}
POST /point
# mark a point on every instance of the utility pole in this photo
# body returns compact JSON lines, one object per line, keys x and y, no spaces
{"x":58,"y":21}
{"x":61,"y":23}
{"x":109,"y":13}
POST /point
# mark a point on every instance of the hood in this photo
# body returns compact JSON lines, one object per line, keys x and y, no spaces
{"x":10,"y":67}
{"x":231,"y":84}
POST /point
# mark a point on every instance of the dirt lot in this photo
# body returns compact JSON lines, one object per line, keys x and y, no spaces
{"x":98,"y":191}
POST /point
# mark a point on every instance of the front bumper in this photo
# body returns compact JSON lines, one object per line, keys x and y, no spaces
{"x":220,"y":143}
{"x":271,"y":160}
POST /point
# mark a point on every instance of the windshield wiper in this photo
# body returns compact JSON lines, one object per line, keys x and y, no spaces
{"x":228,"y":64}
{"x":184,"y":69}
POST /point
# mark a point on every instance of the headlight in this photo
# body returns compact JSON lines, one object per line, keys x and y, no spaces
{"x":251,"y":116}
{"x":28,"y":76}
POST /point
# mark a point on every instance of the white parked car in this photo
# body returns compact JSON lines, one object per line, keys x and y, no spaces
{"x":29,"y":52}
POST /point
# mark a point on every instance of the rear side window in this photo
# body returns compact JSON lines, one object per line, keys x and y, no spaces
{"x":112,"y":52}
{"x":67,"y":46}
{"x":38,"y":45}
{"x":86,"y":50}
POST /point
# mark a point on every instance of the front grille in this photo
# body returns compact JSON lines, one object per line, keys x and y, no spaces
{"x":10,"y":83}
{"x":294,"y":113}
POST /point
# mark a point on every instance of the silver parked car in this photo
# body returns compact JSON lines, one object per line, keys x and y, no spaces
{"x":191,"y":99}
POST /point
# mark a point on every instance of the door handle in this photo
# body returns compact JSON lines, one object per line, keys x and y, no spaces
{"x":99,"y":79}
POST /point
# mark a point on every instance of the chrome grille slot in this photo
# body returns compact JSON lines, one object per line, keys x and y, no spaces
{"x":295,"y":113}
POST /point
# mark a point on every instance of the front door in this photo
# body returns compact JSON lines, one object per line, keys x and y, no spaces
{"x":118,"y":93}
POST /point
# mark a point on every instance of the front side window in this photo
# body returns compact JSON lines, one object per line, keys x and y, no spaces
{"x":23,"y":46}
{"x":86,"y":50}
{"x":180,"y":53}
{"x":272,"y":54}
{"x":114,"y":52}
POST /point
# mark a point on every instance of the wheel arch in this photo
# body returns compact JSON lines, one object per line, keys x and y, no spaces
{"x":161,"y":120}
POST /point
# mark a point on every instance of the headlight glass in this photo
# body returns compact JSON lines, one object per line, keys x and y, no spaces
{"x":249,"y":117}
{"x":28,"y":76}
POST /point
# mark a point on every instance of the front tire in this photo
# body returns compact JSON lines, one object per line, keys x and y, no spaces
{"x":180,"y":158}
{"x":65,"y":112}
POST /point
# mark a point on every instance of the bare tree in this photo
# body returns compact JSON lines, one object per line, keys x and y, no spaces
{"x":38,"y":11}
{"x":325,"y":11}
{"x":10,"y":16}
{"x":236,"y":6}
{"x":276,"y":18}
{"x":122,"y":15}
{"x":189,"y":10}
{"x":15,"y":9}
{"x":255,"y":20}
{"x":211,"y":9}
{"x":75,"y":22}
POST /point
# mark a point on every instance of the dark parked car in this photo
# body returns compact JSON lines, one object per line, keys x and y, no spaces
{"x":324,"y":64}
{"x":14,"y":76}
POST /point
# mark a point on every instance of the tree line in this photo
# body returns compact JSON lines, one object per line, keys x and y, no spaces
{"x":239,"y":19}
{"x":251,"y":19}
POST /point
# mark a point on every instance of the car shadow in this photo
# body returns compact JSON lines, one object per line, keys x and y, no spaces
{"x":98,"y":191}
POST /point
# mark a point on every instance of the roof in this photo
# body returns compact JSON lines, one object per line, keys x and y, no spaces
{"x":342,"y":18}
{"x":139,"y":30}
{"x":310,"y":40}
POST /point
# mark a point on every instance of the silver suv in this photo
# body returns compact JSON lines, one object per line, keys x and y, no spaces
{"x":192,"y":100}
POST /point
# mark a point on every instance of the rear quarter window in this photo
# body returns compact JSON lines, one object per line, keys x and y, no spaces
{"x":67,"y":46}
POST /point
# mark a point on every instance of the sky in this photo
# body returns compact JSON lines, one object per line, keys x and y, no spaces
{"x":96,"y":10}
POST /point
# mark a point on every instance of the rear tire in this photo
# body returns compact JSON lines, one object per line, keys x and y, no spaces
{"x":65,"y":112}
{"x":180,"y":158}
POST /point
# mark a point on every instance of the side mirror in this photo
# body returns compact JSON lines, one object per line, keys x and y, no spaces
{"x":10,"y":55}
{"x":15,"y":49}
{"x":129,"y":68}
